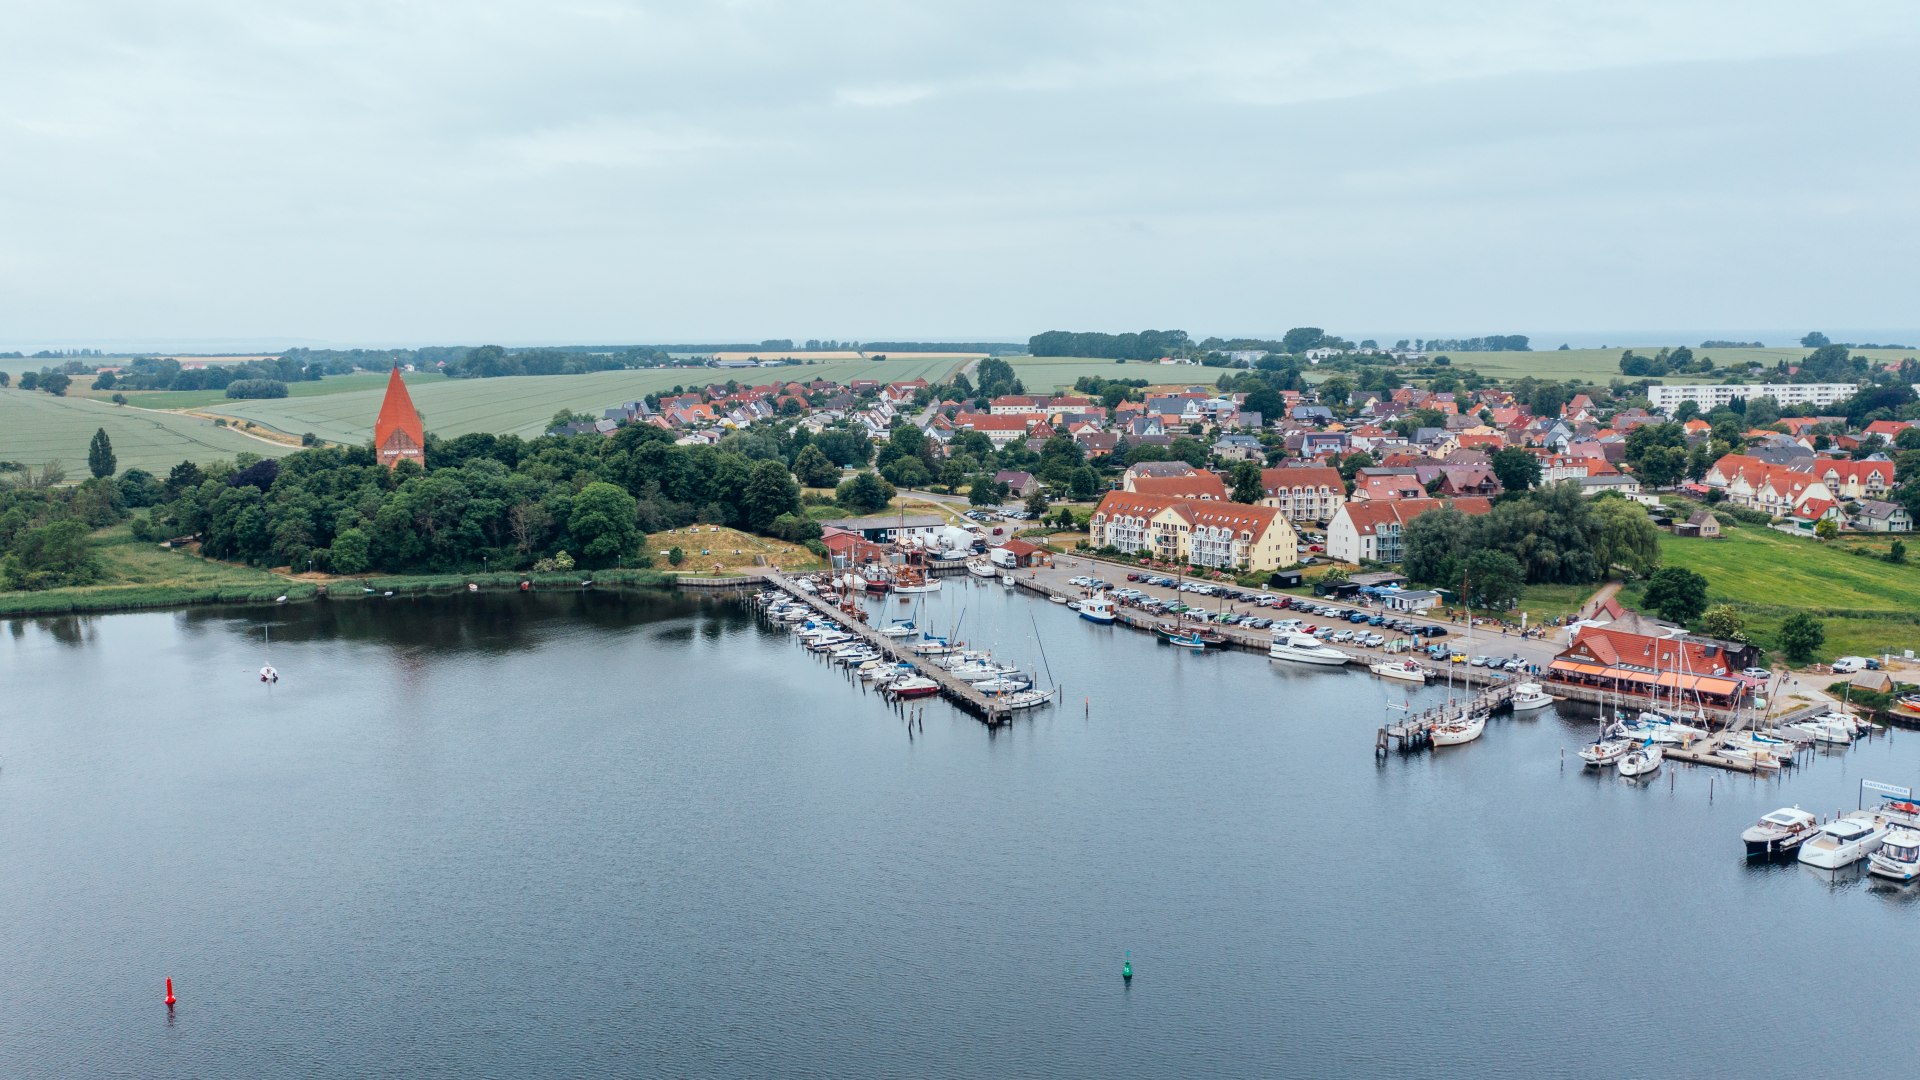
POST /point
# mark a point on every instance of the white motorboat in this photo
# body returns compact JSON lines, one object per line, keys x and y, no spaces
{"x":1779,"y":833}
{"x":1826,"y":729}
{"x":1404,"y":670}
{"x":1753,"y":740}
{"x":1007,"y":580}
{"x":1898,"y":857}
{"x":1528,"y":696}
{"x":1011,"y":683}
{"x":1455,"y":732}
{"x":1845,"y":840}
{"x":1306,"y":649}
{"x":900,"y":628}
{"x":980,"y":568}
{"x":1642,"y":760}
{"x":1605,"y":752}
{"x":913,"y":686}
{"x":1097,"y":610}
{"x":1058,"y":599}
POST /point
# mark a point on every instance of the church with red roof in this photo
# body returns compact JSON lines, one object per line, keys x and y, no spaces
{"x":397,"y":434}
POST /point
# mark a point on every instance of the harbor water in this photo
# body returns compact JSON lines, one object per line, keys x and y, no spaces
{"x":641,"y":834}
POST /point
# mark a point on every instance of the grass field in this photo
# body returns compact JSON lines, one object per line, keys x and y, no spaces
{"x":523,"y":405}
{"x":1044,"y":374}
{"x":1867,"y":605}
{"x":146,"y":575}
{"x":1602,"y":365}
{"x":37,"y":427}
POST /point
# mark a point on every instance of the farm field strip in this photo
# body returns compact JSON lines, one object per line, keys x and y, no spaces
{"x":1045,"y":374}
{"x":1603,"y":365}
{"x":37,"y":427}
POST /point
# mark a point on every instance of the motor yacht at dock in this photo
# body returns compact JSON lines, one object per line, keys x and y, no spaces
{"x":1845,"y":840}
{"x":1306,"y":649}
{"x":1780,"y":833}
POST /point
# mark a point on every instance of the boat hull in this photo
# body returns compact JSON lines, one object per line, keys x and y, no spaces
{"x":1300,"y":657}
{"x":1394,"y":671}
{"x":1094,"y":617}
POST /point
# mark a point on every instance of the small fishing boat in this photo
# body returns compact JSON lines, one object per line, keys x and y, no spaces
{"x":1404,"y":670}
{"x":1908,"y":703}
{"x":1779,"y":833}
{"x":1529,"y":696}
{"x":1845,"y":840}
{"x":900,"y":628}
{"x":1456,"y":732}
{"x":1058,"y":599}
{"x":1007,"y":580}
{"x":1642,"y":760}
{"x":1826,"y":729}
{"x":1898,"y":858}
{"x":982,"y":568}
{"x":1097,"y":610}
{"x":1010,"y":683}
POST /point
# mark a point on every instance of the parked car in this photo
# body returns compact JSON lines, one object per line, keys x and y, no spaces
{"x":1434,"y":631}
{"x":1757,"y":673}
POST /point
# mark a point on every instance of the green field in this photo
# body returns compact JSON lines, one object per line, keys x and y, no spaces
{"x":137,"y":574}
{"x":1045,"y":374}
{"x":1869,"y":606}
{"x":200,"y":399}
{"x":523,"y":405}
{"x":1603,"y":365}
{"x":36,"y":428}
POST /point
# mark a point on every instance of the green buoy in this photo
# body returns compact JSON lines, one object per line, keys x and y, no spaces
{"x":1126,"y":969}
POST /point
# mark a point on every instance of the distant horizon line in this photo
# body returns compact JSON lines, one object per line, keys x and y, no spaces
{"x":1542,"y":341}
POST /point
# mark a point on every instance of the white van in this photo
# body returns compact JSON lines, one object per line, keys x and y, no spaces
{"x":1847,"y":665}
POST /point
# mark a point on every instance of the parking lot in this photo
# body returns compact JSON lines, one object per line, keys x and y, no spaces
{"x":1259,"y":610}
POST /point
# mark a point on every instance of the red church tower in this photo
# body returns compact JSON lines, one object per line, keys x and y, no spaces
{"x":397,"y":435}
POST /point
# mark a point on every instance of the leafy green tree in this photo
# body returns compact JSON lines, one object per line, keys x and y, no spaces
{"x":100,"y":459}
{"x":1624,"y":536}
{"x":1801,"y":635}
{"x":813,"y":468}
{"x":1678,"y":594}
{"x":1897,"y":552}
{"x":907,"y":472}
{"x":1815,"y":340}
{"x":1434,"y":544}
{"x":182,"y":477}
{"x":1517,"y":469}
{"x":1084,"y":483}
{"x":604,"y":522}
{"x":675,"y":556}
{"x":986,"y":491}
{"x":56,"y":383}
{"x":48,"y":557}
{"x":350,"y":552}
{"x":1493,"y":578}
{"x":770,"y":492}
{"x":1825,"y":529}
{"x":1189,"y":450}
{"x":1247,"y":487}
{"x":1723,"y":621}
{"x":864,"y":493}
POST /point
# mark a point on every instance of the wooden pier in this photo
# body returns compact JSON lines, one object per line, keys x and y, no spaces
{"x":963,"y":694}
{"x":1416,"y":731}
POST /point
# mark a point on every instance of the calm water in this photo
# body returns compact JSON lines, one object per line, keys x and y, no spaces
{"x":611,"y":835}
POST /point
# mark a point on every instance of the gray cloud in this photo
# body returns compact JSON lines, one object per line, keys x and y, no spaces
{"x":525,"y":172}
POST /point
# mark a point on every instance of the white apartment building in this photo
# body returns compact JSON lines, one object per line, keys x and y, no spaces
{"x":1668,"y":398}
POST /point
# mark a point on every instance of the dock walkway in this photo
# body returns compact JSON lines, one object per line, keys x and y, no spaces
{"x":960,"y":693}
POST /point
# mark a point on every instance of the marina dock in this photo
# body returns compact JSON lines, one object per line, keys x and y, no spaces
{"x":963,"y":694}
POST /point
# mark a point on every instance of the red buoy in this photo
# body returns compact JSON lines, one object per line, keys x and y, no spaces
{"x":169,"y":993}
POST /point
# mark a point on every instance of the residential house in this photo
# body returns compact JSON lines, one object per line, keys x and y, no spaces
{"x":1001,"y":429}
{"x":1221,"y":535}
{"x":1371,"y":531}
{"x":1304,"y":493}
{"x":1701,"y":524}
{"x":1020,"y":485}
{"x":1238,"y":448}
{"x":1199,"y":486}
{"x":1880,"y":516}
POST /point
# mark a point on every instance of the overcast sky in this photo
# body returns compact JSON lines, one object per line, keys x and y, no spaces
{"x":459,"y":171}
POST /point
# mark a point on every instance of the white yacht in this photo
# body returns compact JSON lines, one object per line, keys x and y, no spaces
{"x":1007,"y":580}
{"x":1845,"y":840}
{"x":1779,"y":833}
{"x":1642,"y":760}
{"x":1529,"y":696}
{"x":1404,"y":670}
{"x":1306,"y":649}
{"x":1898,"y":857}
{"x":1455,"y":732}
{"x":982,"y":568}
